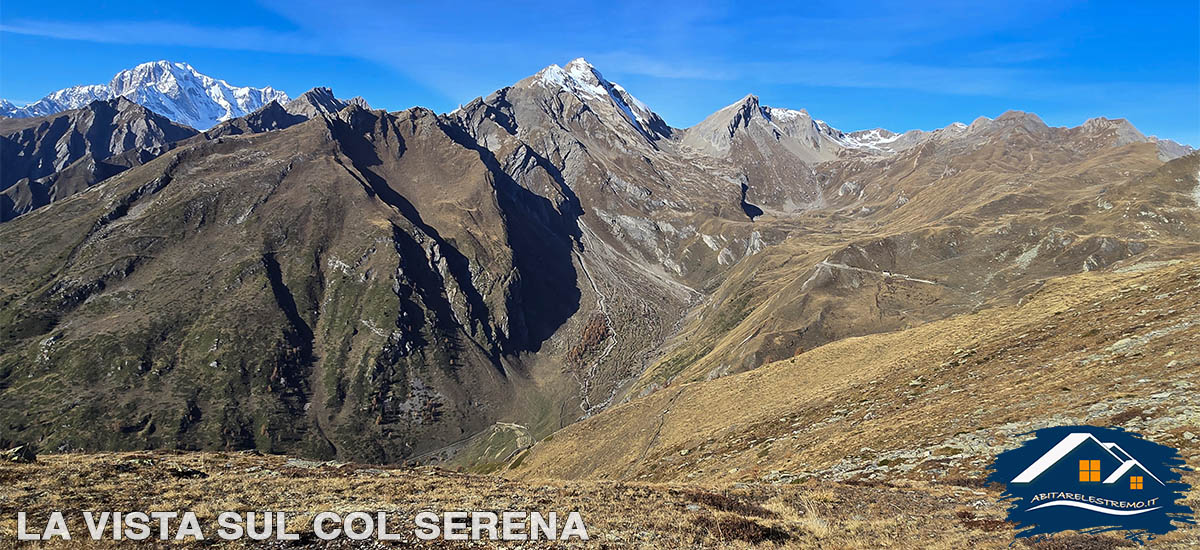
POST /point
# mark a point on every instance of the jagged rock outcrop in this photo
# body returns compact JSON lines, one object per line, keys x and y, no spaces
{"x":319,"y":101}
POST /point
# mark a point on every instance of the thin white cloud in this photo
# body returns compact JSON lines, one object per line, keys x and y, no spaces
{"x":169,"y":33}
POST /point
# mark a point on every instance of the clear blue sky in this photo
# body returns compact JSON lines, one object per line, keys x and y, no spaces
{"x":899,"y":65}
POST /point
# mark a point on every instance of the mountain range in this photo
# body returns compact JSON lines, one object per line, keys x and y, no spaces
{"x":174,"y":90}
{"x":316,"y":277}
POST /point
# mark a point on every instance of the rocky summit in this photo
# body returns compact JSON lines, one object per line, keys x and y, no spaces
{"x":552,"y":281}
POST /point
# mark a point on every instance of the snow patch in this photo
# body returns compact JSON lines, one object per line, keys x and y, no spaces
{"x":783,"y":114}
{"x":875,"y":139}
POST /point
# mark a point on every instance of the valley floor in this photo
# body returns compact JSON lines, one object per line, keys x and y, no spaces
{"x":907,"y":514}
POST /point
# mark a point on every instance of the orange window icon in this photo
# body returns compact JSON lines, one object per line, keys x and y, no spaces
{"x":1089,"y":471}
{"x":1135,"y":482}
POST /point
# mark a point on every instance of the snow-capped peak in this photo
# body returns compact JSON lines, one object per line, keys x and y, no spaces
{"x":175,"y":90}
{"x":874,"y":139}
{"x":578,"y":77}
{"x":181,"y":93}
{"x":583,"y":80}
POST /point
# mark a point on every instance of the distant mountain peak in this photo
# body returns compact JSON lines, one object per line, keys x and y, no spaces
{"x":173,"y":89}
{"x":750,"y":101}
{"x":315,"y":102}
{"x":796,"y":131}
{"x":579,"y":63}
{"x":1027,"y":119}
{"x":1124,"y":132}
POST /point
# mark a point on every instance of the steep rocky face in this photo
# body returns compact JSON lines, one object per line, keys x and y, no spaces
{"x":642,"y":211}
{"x":770,"y":152}
{"x":47,"y":158}
{"x":319,"y":101}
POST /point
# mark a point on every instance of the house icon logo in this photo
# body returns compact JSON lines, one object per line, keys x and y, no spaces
{"x":1091,"y":479}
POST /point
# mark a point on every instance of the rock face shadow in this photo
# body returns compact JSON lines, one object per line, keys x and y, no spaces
{"x":542,"y":237}
{"x":751,"y":210}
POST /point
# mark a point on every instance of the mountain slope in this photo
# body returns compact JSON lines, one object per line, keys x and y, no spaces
{"x":938,"y":515}
{"x":372,"y":303}
{"x":175,"y":90}
{"x":935,"y":402}
{"x":638,"y":249}
{"x":940,"y":229}
{"x":40,"y":153}
{"x":51,"y":157}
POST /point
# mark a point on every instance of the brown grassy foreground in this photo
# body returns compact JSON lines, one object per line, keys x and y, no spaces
{"x":619,"y":515}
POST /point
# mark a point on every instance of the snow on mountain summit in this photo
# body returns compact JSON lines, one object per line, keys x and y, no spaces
{"x":181,"y":93}
{"x":175,"y":90}
{"x":582,"y":79}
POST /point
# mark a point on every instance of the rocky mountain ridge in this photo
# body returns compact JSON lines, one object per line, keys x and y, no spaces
{"x":114,"y":135}
{"x":55,"y":156}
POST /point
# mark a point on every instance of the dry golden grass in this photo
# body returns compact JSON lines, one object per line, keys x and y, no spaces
{"x":1081,"y":349}
{"x":931,"y":404}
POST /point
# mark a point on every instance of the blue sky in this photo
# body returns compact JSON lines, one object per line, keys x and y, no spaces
{"x":899,"y":65}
